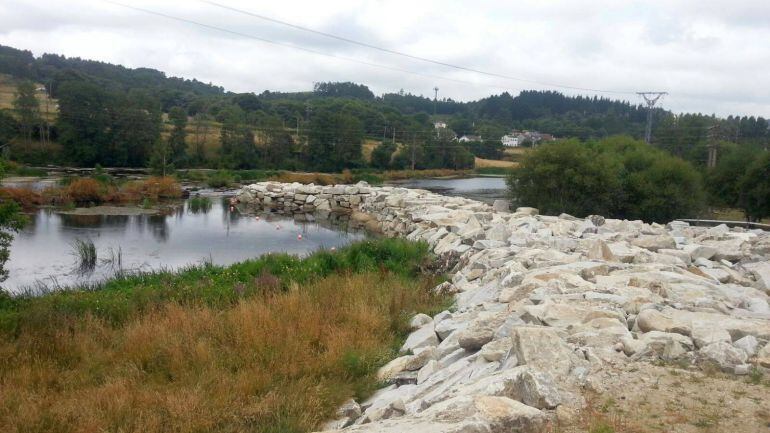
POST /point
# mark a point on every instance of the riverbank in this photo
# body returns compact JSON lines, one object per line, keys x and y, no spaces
{"x":556,"y":319}
{"x":271,"y":344}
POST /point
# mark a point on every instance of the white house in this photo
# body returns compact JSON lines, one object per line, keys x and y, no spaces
{"x":439,"y":125}
{"x":517,"y":138}
{"x":511,"y":140}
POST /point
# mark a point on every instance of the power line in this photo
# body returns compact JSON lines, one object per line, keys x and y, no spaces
{"x":411,"y":56}
{"x":297,"y":47}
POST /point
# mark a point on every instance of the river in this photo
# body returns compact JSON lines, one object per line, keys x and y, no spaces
{"x":42,"y":254}
{"x":482,"y":188}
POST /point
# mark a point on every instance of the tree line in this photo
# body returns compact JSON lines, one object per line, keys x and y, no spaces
{"x":146,"y":95}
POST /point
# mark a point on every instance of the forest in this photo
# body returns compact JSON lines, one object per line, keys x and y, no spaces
{"x":98,"y":113}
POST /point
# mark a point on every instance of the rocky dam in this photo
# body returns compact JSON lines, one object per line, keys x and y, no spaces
{"x":549,"y":310}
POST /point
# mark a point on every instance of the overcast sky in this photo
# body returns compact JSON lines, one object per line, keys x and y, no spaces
{"x":711,"y":56}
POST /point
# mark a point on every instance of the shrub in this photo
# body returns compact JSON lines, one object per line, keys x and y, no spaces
{"x":27,"y":198}
{"x":724,"y":180}
{"x":85,"y":190}
{"x":618,"y":177}
{"x":754,"y":188}
{"x":162,"y":187}
{"x":566,"y":176}
{"x":220,"y":179}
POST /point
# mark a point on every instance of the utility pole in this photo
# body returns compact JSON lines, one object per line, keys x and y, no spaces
{"x":650,"y":98}
{"x":435,"y":99}
{"x":413,"y":152}
{"x":714,"y":134}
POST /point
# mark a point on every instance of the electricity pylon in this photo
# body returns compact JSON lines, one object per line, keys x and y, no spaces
{"x":650,"y":98}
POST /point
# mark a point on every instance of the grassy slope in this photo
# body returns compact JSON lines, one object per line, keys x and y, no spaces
{"x":273,"y":344}
{"x":8,"y":94}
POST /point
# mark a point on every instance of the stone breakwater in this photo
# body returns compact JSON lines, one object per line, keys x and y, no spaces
{"x":545,"y":306}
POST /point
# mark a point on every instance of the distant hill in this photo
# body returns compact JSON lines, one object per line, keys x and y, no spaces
{"x":407,"y":115}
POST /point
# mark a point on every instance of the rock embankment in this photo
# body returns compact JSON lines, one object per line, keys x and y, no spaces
{"x":545,"y":303}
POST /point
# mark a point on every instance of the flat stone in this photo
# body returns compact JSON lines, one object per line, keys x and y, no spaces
{"x":423,"y":337}
{"x":542,"y":348}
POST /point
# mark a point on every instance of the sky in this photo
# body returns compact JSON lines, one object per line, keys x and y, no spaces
{"x":712,"y":57}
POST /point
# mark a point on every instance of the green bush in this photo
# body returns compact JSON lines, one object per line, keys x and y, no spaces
{"x":220,"y":179}
{"x":724,"y":179}
{"x":567,"y":176}
{"x":754,"y":188}
{"x":618,"y":177}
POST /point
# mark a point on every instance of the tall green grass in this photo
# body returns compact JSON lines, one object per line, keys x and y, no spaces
{"x":85,"y":255}
{"x":123,"y":297}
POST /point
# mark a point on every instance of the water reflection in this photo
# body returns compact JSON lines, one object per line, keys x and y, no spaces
{"x":42,"y":253}
{"x":486,"y":189}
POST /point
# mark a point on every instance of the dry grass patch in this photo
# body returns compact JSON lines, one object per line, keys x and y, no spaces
{"x":484,"y":163}
{"x":278,"y":361}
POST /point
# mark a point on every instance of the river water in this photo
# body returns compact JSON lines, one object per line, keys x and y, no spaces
{"x":42,"y":253}
{"x":486,"y":189}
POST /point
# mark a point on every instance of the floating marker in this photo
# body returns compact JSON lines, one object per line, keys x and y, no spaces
{"x":299,"y":237}
{"x":256,"y":217}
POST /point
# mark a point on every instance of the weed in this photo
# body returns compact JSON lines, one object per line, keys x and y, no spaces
{"x":199,"y":204}
{"x":755,"y":376}
{"x":85,"y":191}
{"x":85,"y":255}
{"x":601,"y":427}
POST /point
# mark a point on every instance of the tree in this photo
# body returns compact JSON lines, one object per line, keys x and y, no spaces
{"x":27,"y":109}
{"x":382,"y":154}
{"x":84,"y":121}
{"x":566,"y":176}
{"x":176,"y":139}
{"x":9,"y":129}
{"x":160,"y":158}
{"x":724,"y":180}
{"x":656,"y":186}
{"x":279,"y":144}
{"x":201,"y":122}
{"x":11,"y":221}
{"x":238,"y":149}
{"x":755,"y":189}
{"x":334,"y":141}
{"x":619,"y":177}
{"x":343,"y":90}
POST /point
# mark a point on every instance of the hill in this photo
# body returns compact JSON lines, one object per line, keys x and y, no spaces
{"x":402,"y":117}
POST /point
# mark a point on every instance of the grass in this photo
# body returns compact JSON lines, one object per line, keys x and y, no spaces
{"x":493,"y":163}
{"x":199,"y":204}
{"x":272,"y":344}
{"x":85,"y":253}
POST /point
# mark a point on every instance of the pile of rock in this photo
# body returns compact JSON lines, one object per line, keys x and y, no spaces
{"x":297,"y":197}
{"x":543,"y":303}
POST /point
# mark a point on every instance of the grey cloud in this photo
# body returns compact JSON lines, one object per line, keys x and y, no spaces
{"x":710,"y":55}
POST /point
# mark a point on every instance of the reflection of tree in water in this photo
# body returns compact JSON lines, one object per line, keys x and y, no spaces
{"x":229,"y":217}
{"x":120,"y":222}
{"x":159,"y":227}
{"x":199,"y":205}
